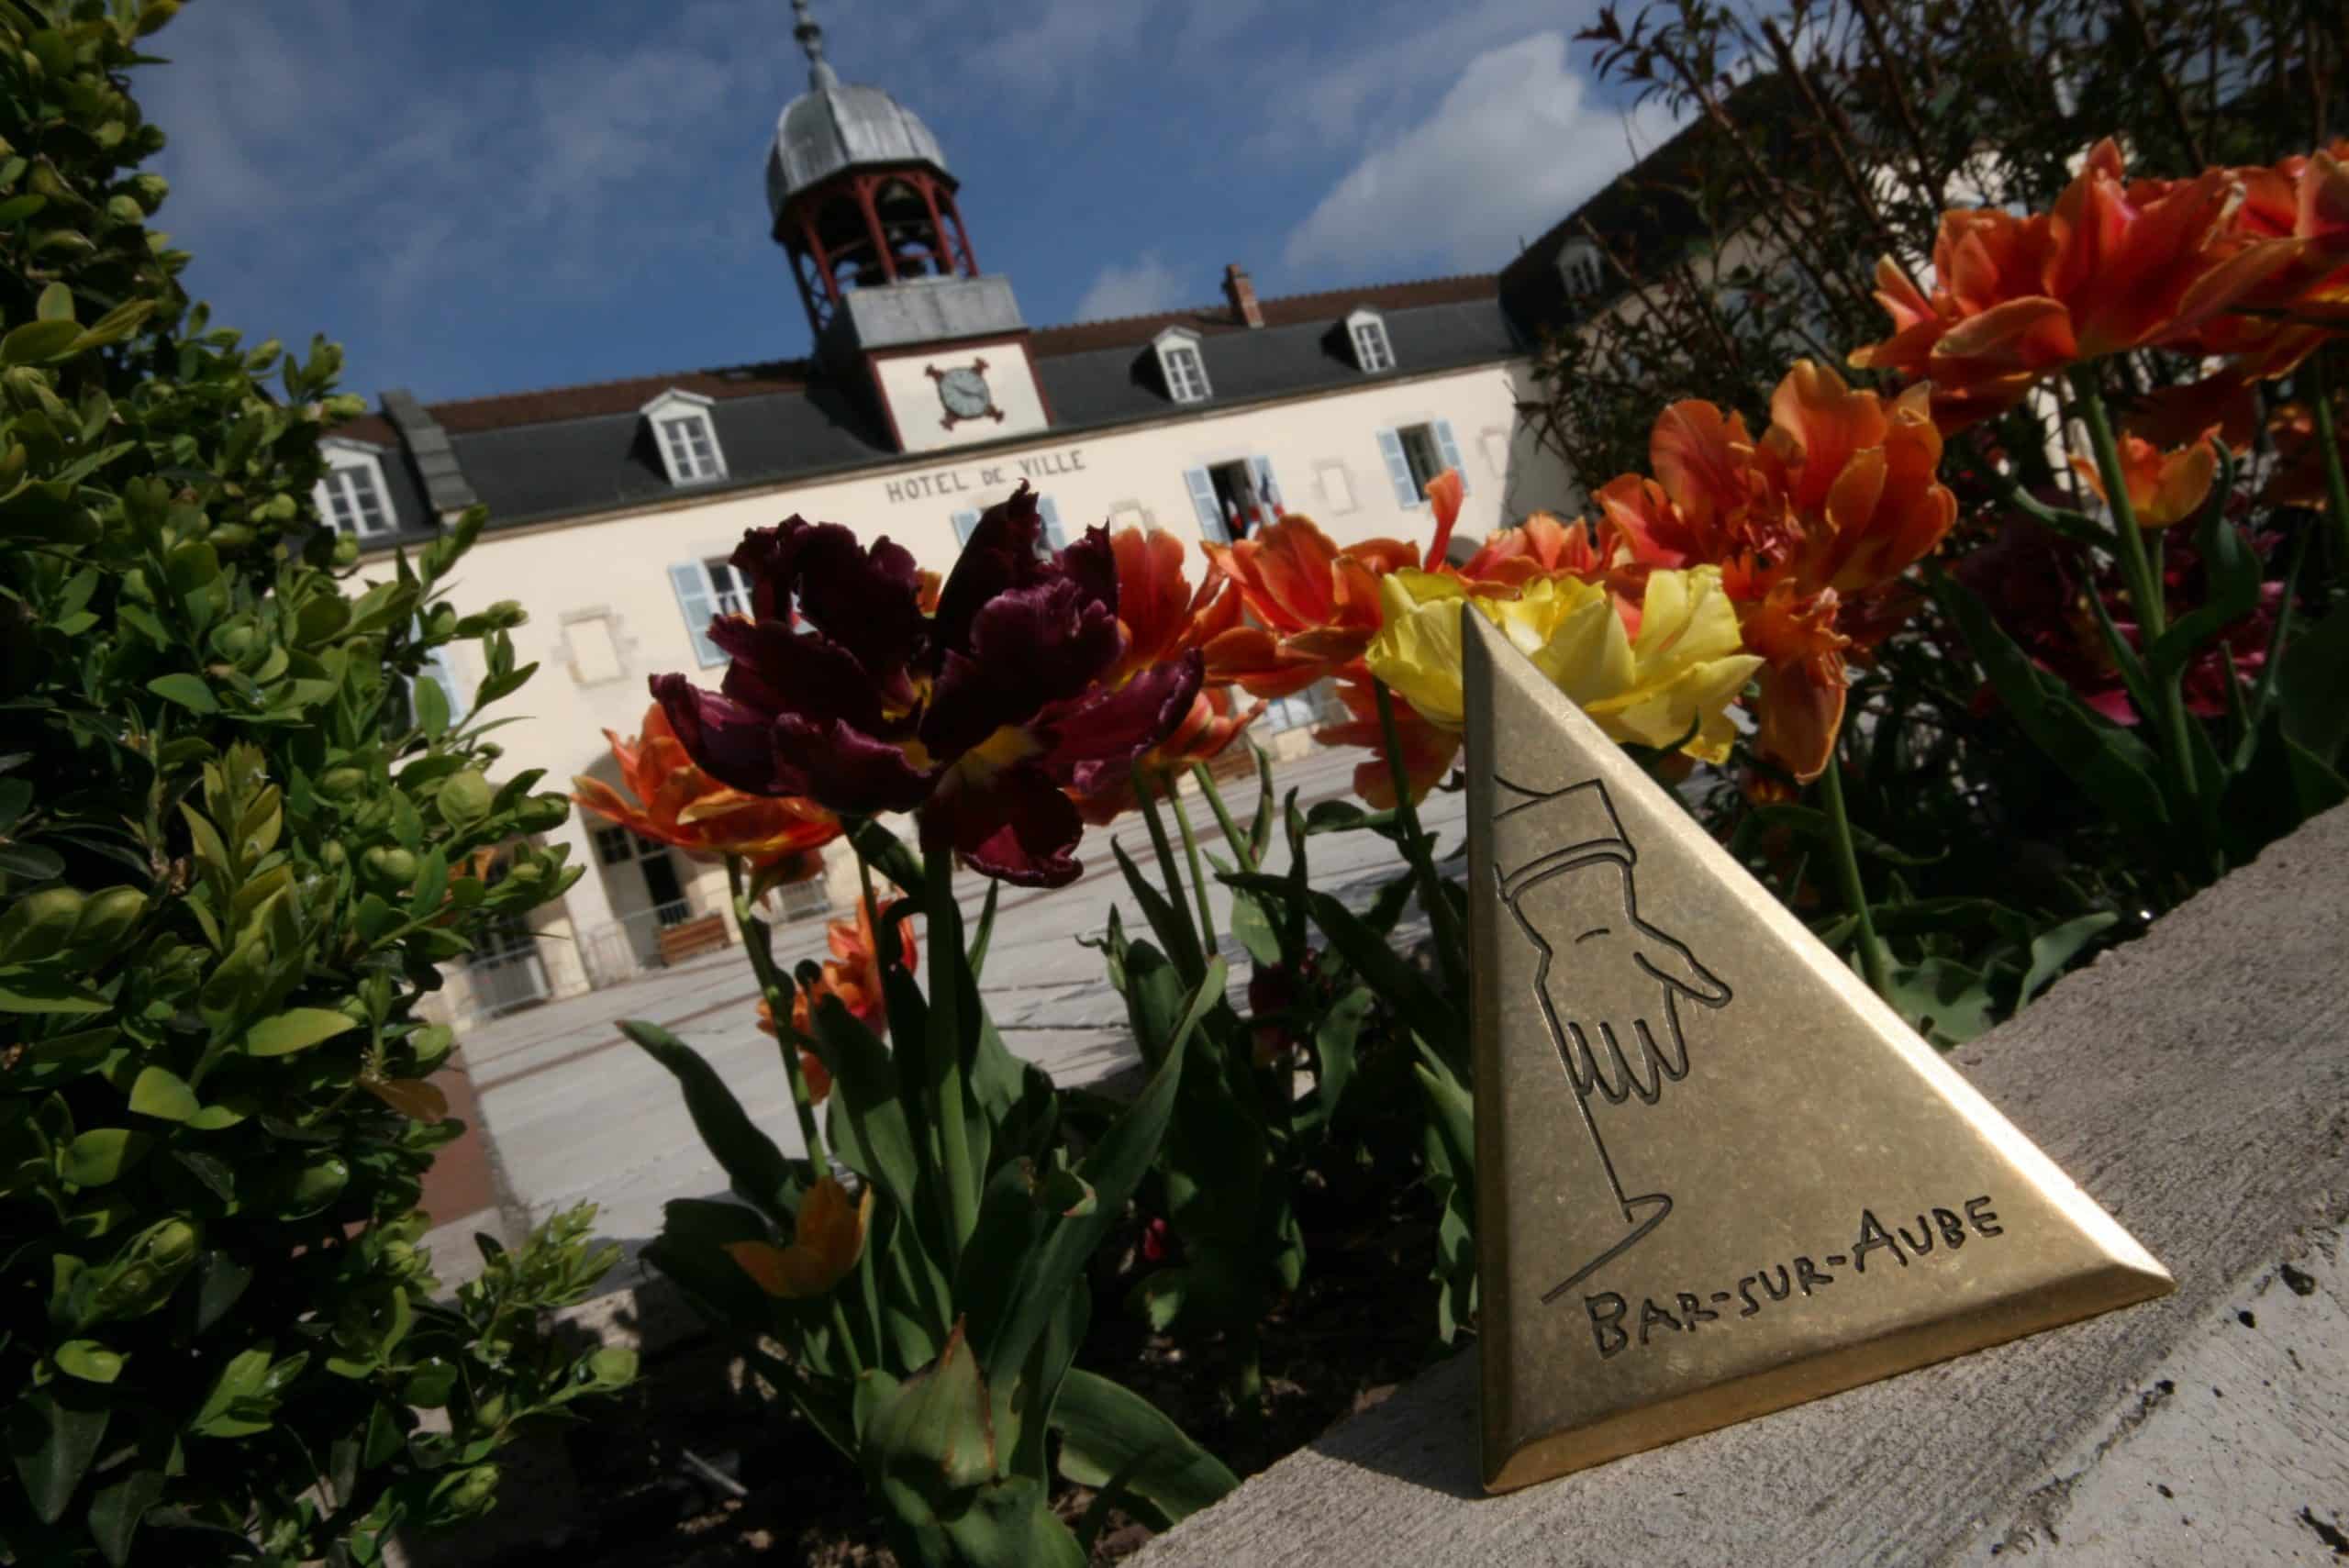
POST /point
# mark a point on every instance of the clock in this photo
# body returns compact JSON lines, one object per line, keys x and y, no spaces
{"x":965,"y":392}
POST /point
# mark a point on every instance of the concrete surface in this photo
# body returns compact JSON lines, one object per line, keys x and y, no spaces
{"x":571,"y":1111}
{"x":2195,"y":1083}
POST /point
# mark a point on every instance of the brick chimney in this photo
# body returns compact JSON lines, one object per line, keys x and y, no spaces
{"x":1242,"y":296}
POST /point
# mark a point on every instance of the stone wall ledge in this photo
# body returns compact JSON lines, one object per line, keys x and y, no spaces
{"x":2197,"y":1083}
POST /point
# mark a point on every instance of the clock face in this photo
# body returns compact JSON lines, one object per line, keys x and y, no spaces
{"x":965,"y":392}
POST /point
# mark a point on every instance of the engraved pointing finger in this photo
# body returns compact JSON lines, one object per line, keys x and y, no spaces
{"x":1669,"y":960}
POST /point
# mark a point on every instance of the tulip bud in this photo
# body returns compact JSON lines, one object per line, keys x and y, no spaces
{"x":151,"y":190}
{"x":125,"y":209}
{"x":346,"y":550}
{"x":232,"y":539}
{"x":543,"y":811}
{"x":333,"y":854}
{"x":338,"y":783}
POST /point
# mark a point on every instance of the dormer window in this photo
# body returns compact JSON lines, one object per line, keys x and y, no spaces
{"x":1579,"y":270}
{"x":1181,"y":363}
{"x":352,"y":497}
{"x":685,"y":437}
{"x":1366,"y":330}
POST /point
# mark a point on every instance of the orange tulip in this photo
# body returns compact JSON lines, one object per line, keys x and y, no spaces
{"x":1859,"y":478}
{"x":1803,"y":681}
{"x":1541,"y":546}
{"x":1427,"y":748}
{"x":1164,"y":619}
{"x":830,"y":1239}
{"x":1316,"y":607}
{"x":681,"y":805}
{"x":1812,"y":525}
{"x":853,"y":972}
{"x":2111,"y":268}
{"x":812,"y":1071}
{"x":1214,"y":722}
{"x":2164,"y":487}
{"x":2290,"y":259}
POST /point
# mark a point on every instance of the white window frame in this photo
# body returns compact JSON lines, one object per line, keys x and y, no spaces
{"x":1183,"y":362}
{"x":701,"y":598}
{"x":675,"y":411}
{"x":1373,"y":350}
{"x":350,"y":464}
{"x":1410,"y":489}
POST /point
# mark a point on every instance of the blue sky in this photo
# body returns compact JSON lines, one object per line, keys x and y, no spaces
{"x":493,"y":195}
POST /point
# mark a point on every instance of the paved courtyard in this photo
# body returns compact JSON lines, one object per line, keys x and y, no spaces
{"x":574,"y":1112}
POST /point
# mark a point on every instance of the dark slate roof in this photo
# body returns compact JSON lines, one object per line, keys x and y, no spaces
{"x":1650,"y":216}
{"x":576,"y":450}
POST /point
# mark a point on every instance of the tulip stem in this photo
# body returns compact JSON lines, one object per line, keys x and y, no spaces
{"x":1193,"y":964}
{"x":1191,"y":854}
{"x":2145,"y":594}
{"x":1241,"y":849}
{"x":2336,"y":486}
{"x":757,"y":941}
{"x":945,"y":1042}
{"x":1873,"y":967}
{"x":1441,"y":918}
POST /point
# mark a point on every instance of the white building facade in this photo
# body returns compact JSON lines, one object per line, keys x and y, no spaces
{"x":614,"y":507}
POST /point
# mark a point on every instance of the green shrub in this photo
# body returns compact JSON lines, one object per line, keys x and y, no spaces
{"x":237,"y":833}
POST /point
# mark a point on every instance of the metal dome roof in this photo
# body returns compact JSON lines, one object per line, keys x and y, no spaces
{"x":835,"y":125}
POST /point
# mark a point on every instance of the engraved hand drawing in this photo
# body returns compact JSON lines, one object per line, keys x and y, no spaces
{"x":1609,"y":985}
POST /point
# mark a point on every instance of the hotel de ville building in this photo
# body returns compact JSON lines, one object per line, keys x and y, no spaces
{"x":614,"y":507}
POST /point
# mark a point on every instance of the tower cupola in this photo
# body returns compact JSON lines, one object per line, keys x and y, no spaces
{"x":859,"y":190}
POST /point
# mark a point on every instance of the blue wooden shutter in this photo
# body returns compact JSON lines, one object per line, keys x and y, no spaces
{"x":1266,"y":491}
{"x":1203,"y":501}
{"x":699,"y":601}
{"x":440,"y":669}
{"x":1398,"y":468}
{"x":1051,"y":514}
{"x":1451,"y":450}
{"x":964,"y":522}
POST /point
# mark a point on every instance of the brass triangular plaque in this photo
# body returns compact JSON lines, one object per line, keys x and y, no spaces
{"x":1716,"y":1175}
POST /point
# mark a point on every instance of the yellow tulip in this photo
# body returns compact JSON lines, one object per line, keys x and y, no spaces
{"x":1678,"y":674}
{"x":830,"y":1241}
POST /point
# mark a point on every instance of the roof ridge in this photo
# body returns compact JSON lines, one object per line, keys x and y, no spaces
{"x":670,"y":375}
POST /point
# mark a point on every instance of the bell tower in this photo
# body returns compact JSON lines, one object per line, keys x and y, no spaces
{"x":865,"y":209}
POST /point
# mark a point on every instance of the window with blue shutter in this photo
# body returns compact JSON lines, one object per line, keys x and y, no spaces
{"x":964,"y":522}
{"x":441,"y":671}
{"x":1203,"y":501}
{"x":1451,"y":450}
{"x":1051,"y":512}
{"x":1398,"y":468}
{"x":698,"y":600}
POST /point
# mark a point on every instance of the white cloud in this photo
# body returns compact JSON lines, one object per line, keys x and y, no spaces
{"x":1512,"y":148}
{"x":1133,"y":288}
{"x":303,"y":140}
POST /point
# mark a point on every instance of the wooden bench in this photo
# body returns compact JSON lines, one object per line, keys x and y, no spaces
{"x":688,"y":939}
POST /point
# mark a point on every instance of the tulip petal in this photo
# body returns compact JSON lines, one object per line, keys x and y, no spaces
{"x":731,"y":742}
{"x":1017,"y":826}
